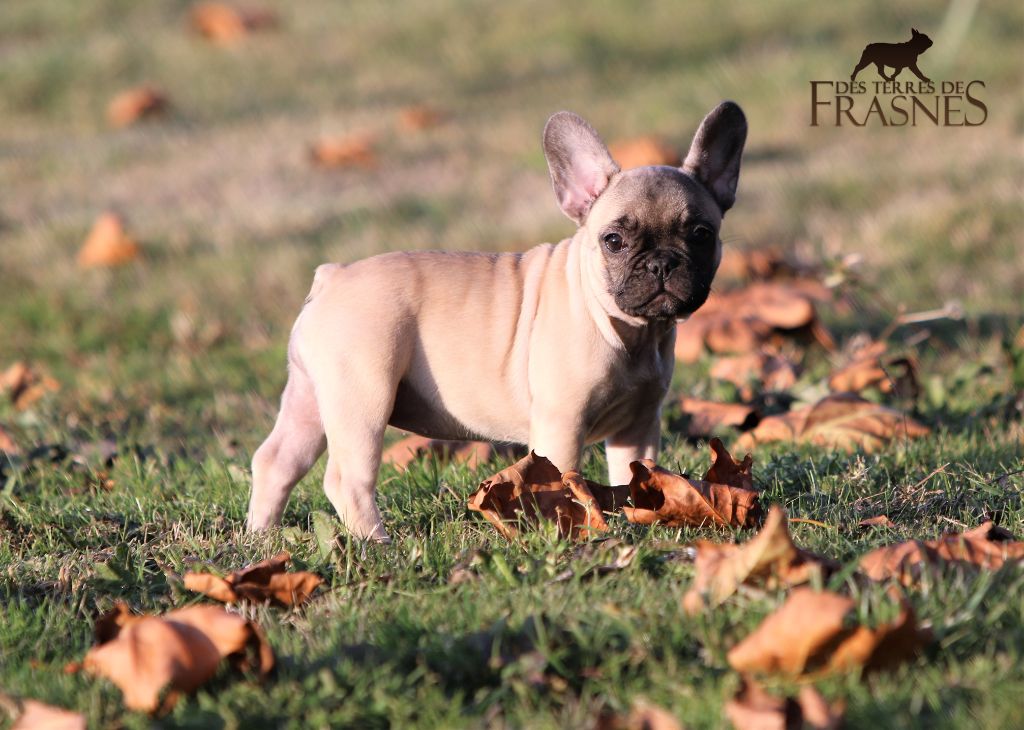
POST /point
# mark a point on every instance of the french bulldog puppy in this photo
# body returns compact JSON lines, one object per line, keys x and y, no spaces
{"x":558,"y":347}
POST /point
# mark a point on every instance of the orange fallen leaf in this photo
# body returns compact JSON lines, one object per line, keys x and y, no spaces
{"x":354,"y":150}
{"x":839,"y":421}
{"x":703,"y":417}
{"x":533,"y":489}
{"x":876,"y":521}
{"x":769,"y":559}
{"x":813,"y":632}
{"x":225,"y":24}
{"x":642,"y":716}
{"x":471,"y":453}
{"x":662,"y":497}
{"x":36,"y":715}
{"x":744,"y":320}
{"x":987,"y":546}
{"x":107,"y":244}
{"x":764,"y":370}
{"x":871,"y":366}
{"x":419,"y":117}
{"x":263,"y":581}
{"x":725,"y":469}
{"x":762,"y":264}
{"x":178,"y":651}
{"x":131,"y":105}
{"x":24,"y":385}
{"x":7,"y":444}
{"x":643,"y":151}
{"x":752,"y":708}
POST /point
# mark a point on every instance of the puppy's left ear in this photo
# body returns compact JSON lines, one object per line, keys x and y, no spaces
{"x":580,"y":164}
{"x":714,"y":156}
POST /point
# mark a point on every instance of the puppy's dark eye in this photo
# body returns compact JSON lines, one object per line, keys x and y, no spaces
{"x":613,"y":242}
{"x":702,"y":236}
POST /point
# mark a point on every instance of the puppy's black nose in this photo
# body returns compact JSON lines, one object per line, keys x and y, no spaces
{"x":660,"y":266}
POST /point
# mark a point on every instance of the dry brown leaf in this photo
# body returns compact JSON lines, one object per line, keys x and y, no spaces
{"x":36,"y":715}
{"x":704,"y":417}
{"x":7,"y":444}
{"x":813,"y":632}
{"x":876,"y":521}
{"x":745,"y":319}
{"x":131,"y":105}
{"x":107,"y":244}
{"x":471,"y":453}
{"x":767,"y":371}
{"x":178,"y":652}
{"x":662,"y":497}
{"x":533,"y":489}
{"x":354,"y":150}
{"x":263,"y":581}
{"x":642,"y":716}
{"x":839,"y":421}
{"x":24,"y":385}
{"x":762,"y":264}
{"x":752,"y":708}
{"x":769,"y":559}
{"x":643,"y":151}
{"x":225,"y":24}
{"x":987,"y":546}
{"x":418,"y":117}
{"x":871,"y":366}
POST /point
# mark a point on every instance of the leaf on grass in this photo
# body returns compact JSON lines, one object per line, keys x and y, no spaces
{"x":354,"y":150}
{"x":418,"y":117}
{"x":662,"y":497}
{"x":107,"y":244}
{"x":225,"y":24}
{"x":763,"y":264}
{"x":764,"y":370}
{"x":24,"y":385}
{"x":643,"y":151}
{"x":642,"y":716}
{"x":471,"y":453}
{"x":131,"y":105}
{"x":726,"y":470}
{"x":769,"y":559}
{"x":871,"y":366}
{"x":814,"y":632}
{"x":7,"y":444}
{"x":752,"y":708}
{"x":533,"y":489}
{"x":876,"y":521}
{"x":746,"y":319}
{"x":35,"y":715}
{"x":704,"y":417}
{"x":987,"y":546}
{"x":839,"y":421}
{"x":263,"y":581}
{"x":177,"y":652}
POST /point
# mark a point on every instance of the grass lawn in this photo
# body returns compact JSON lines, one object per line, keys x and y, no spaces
{"x":136,"y":469}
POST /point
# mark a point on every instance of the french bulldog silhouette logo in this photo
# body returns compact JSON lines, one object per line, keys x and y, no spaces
{"x":897,"y":56}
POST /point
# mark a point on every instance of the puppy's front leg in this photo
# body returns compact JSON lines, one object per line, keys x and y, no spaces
{"x":640,"y":440}
{"x":557,"y":436}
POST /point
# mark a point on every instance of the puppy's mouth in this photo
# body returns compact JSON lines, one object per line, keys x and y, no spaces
{"x":663,"y":304}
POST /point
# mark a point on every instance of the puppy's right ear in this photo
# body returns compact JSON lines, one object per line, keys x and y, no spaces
{"x":579,"y":162}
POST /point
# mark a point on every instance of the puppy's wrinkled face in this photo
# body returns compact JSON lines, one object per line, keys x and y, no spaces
{"x":657,"y":229}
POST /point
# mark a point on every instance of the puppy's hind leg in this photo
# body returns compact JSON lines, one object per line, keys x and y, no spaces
{"x":356,"y":418}
{"x":289,"y":452}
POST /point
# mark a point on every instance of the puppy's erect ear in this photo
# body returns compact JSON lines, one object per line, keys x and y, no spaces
{"x":913,"y":32}
{"x":714,"y":156}
{"x":579,"y":162}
